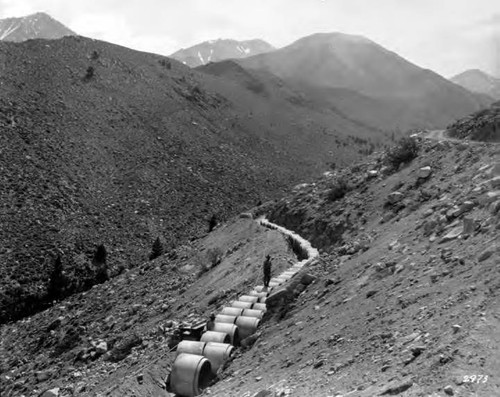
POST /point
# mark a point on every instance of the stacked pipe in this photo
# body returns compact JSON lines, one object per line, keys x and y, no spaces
{"x":196,"y":363}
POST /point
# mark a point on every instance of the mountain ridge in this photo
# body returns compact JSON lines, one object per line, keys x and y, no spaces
{"x":34,"y":26}
{"x":219,"y":50}
{"x":476,"y":80}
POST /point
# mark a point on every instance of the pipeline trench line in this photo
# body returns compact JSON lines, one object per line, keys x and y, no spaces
{"x":188,"y":376}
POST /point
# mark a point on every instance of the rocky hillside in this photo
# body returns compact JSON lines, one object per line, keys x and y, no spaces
{"x":367,"y":82}
{"x":104,"y":145}
{"x":480,"y":126}
{"x":476,"y":80}
{"x":34,"y":26}
{"x":404,"y":298}
{"x":219,"y":50}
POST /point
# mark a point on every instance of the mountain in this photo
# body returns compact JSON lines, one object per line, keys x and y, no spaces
{"x":476,"y":80}
{"x":101,"y":144}
{"x":218,"y":50}
{"x":410,"y":95}
{"x":35,"y":26}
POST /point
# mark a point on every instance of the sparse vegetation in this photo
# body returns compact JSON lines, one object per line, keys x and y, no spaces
{"x":57,"y":282}
{"x":100,"y":262}
{"x":403,"y":152}
{"x":89,"y":74}
{"x":338,"y":190}
{"x":214,"y":256}
{"x":212,"y":223}
{"x":165,"y":63}
{"x":157,"y":249}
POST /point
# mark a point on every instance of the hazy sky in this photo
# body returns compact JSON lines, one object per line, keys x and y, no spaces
{"x":448,"y":36}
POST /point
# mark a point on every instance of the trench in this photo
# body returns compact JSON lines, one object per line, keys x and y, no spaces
{"x":197,"y":361}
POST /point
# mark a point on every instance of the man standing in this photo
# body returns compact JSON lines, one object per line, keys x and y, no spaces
{"x":267,"y":270}
{"x":211,"y":322}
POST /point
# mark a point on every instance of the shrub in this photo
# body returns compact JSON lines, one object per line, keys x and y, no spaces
{"x":214,"y":256}
{"x":156,"y":250}
{"x":338,"y":190}
{"x":99,"y":261}
{"x":165,"y":63}
{"x":57,"y":281}
{"x":89,"y":73}
{"x":403,"y":152}
{"x":212,"y":223}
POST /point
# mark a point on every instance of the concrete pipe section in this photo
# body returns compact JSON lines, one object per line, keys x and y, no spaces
{"x":232,"y":311}
{"x":190,"y":375}
{"x":214,"y":336}
{"x":191,"y":347}
{"x":231,"y":330}
{"x":241,"y":305}
{"x":260,"y":306}
{"x":253,"y":313}
{"x":258,"y":294}
{"x":248,"y":298}
{"x":247,"y":325}
{"x":218,"y":354}
{"x":224,"y":318}
{"x":261,"y":288}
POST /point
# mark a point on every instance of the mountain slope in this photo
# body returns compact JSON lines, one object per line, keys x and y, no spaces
{"x":102,"y":144}
{"x":402,"y":301}
{"x":480,"y":126}
{"x":219,"y":50}
{"x":414,"y":96}
{"x":476,"y":80}
{"x":34,"y":26}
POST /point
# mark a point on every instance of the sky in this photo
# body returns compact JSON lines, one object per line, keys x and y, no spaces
{"x":447,"y":36}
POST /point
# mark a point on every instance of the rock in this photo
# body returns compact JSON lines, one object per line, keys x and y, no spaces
{"x":307,"y":279}
{"x":371,"y":293}
{"x":448,"y":390}
{"x":485,"y":255}
{"x":468,"y":226}
{"x":456,"y":328}
{"x":101,"y":347}
{"x":51,"y":393}
{"x":495,"y":207}
{"x":397,"y":388}
{"x":372,"y":173}
{"x":424,"y":172}
{"x":263,"y":393}
{"x":250,"y":340}
{"x":42,"y":376}
{"x":495,"y":182}
{"x":395,"y":197}
{"x":495,"y":169}
{"x":123,"y":348}
{"x":452,"y":234}
{"x":279,"y":299}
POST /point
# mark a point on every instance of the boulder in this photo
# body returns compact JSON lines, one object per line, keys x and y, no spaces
{"x":424,"y":172}
{"x":101,"y":347}
{"x":395,"y":197}
{"x":278,"y":299}
{"x":51,"y":393}
{"x":452,"y":234}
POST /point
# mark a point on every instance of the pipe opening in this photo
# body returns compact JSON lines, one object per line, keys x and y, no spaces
{"x":205,"y":375}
